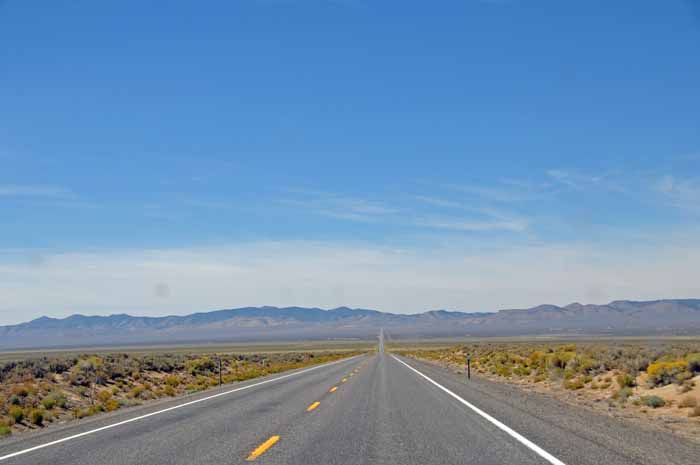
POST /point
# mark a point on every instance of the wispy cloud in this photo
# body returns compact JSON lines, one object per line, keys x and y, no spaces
{"x":438,"y":202}
{"x":579,"y":181}
{"x":465,"y":217}
{"x":482,"y":218}
{"x":501,"y":192}
{"x":340,"y":206}
{"x":473,"y":226}
{"x":28,"y":190}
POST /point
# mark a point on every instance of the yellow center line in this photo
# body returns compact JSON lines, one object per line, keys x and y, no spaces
{"x":351,"y":374}
{"x":343,"y":380}
{"x":262,"y":448}
{"x":333,"y":389}
{"x":313,"y":406}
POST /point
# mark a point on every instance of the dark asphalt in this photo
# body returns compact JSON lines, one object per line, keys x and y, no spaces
{"x":383,"y":414}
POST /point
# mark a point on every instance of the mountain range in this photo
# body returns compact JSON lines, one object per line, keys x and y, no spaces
{"x":659,"y":317}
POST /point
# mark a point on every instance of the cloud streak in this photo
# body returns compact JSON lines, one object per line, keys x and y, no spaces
{"x":17,"y":190}
{"x":581,"y":182}
{"x":473,"y":226}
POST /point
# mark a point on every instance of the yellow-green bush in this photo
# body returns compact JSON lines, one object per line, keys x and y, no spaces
{"x":53,"y":400}
{"x":136,"y":392}
{"x":104,"y":395}
{"x":16,"y":413}
{"x":111,"y":404}
{"x":200,"y":366}
{"x":574,"y":384}
{"x":663,"y":373}
{"x":36,"y":416}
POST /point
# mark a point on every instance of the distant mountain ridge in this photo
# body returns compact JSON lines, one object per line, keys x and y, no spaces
{"x":622,"y":317}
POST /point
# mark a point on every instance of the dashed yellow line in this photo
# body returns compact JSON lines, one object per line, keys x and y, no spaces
{"x":333,"y":389}
{"x":262,"y":448}
{"x":343,"y":380}
{"x":313,"y":406}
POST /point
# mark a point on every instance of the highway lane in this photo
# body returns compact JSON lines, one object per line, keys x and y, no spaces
{"x":384,"y":413}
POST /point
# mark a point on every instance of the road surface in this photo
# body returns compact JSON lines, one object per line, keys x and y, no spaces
{"x":371,"y":409}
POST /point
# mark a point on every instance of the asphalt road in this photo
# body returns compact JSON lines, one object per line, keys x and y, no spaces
{"x":387,"y":411}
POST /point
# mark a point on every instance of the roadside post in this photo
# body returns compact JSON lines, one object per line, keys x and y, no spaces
{"x":219,"y":370}
{"x":469,"y":367}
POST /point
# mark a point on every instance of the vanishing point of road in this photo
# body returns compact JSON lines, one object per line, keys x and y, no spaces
{"x":370,"y":409}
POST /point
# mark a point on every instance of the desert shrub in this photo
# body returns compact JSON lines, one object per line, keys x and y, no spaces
{"x":54,"y":399}
{"x":663,"y":373}
{"x":625,"y":380}
{"x":14,"y":400}
{"x":560,"y":359}
{"x":172,"y":380}
{"x":200,"y":366}
{"x":574,"y":384}
{"x":82,"y":413}
{"x":693,"y":363}
{"x":48,"y":403}
{"x":16,"y":414}
{"x":536,"y":359}
{"x":111,"y":404}
{"x":584,"y":364}
{"x":653,"y":401}
{"x":168,"y":390}
{"x":20,"y":391}
{"x":58,"y":366}
{"x":104,"y":395}
{"x":192,"y":387}
{"x":36,"y":416}
{"x":555,"y":374}
{"x":87,"y":370}
{"x":137,"y":391}
{"x":623,"y":394}
{"x":5,"y":430}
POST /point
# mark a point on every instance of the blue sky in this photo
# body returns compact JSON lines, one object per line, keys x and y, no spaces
{"x":471,"y":155}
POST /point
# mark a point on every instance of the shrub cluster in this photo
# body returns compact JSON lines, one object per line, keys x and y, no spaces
{"x":35,"y":392}
{"x":595,"y":365}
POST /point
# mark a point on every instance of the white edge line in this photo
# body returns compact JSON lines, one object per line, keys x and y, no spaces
{"x":141,"y":417}
{"x":517,"y":436}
